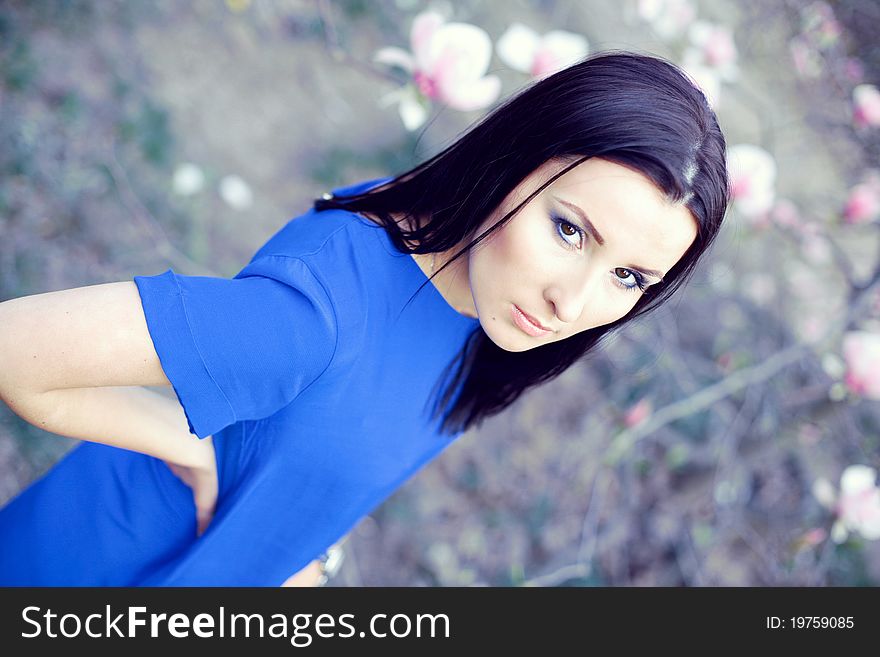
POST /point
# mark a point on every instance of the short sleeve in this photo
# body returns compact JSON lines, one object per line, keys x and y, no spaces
{"x":241,"y":348}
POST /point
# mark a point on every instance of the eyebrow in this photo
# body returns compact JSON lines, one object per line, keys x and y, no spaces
{"x":591,"y":229}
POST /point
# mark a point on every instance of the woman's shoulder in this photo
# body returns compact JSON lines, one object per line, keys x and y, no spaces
{"x":310,"y":232}
{"x":359,"y":187}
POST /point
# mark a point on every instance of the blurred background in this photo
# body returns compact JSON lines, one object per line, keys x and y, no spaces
{"x":730,"y":439}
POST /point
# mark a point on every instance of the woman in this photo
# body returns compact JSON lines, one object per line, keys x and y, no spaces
{"x":318,"y":380}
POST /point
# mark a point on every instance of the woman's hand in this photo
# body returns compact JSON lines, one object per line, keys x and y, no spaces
{"x":203,"y":481}
{"x":310,"y":575}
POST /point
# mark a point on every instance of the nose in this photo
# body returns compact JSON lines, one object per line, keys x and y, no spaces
{"x":570,"y":296}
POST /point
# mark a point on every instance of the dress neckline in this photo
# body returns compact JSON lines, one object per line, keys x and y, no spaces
{"x":418,"y":271}
{"x":389,"y":246}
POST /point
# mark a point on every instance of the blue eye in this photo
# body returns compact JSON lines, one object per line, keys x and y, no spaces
{"x":563,"y":228}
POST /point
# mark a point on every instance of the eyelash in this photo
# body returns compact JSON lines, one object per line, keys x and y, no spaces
{"x":641,"y":283}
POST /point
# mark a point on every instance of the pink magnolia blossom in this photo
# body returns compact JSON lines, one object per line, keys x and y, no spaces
{"x":668,"y":18}
{"x":857,"y":504}
{"x":638,"y":412}
{"x":712,"y":46}
{"x":524,"y":50}
{"x":861,"y":351}
{"x":863,"y":203}
{"x":866,"y":106}
{"x":753,"y":180}
{"x":448,"y":64}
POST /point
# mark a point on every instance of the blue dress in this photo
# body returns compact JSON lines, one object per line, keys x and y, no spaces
{"x":314,"y":382}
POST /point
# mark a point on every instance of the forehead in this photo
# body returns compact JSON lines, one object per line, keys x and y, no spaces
{"x":623,"y":203}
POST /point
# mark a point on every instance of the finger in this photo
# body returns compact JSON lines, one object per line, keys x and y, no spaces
{"x":204,"y":513}
{"x":203,"y":519}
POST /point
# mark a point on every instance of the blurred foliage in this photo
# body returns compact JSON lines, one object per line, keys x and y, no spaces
{"x":102,"y":101}
{"x":149,"y":130}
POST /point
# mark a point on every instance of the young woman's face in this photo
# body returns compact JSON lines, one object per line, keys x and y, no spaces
{"x":572,"y":272}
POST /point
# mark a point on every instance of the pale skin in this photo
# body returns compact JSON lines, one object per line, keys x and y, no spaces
{"x":567,"y":281}
{"x":74,"y":362}
{"x":308,"y":576}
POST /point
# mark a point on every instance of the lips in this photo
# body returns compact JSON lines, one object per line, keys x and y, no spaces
{"x":526,"y":325}
{"x":533,"y":320}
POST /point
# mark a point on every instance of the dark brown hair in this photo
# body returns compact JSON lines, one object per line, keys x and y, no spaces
{"x":637,"y":110}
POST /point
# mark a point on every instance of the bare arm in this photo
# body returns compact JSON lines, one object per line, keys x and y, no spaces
{"x":129,"y":417}
{"x":72,"y":361}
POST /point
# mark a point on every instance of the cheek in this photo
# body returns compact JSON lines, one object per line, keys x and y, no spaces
{"x":494,"y":277}
{"x":522,"y":251}
{"x":500,"y":249}
{"x":617,"y":305}
{"x":605,"y":308}
{"x":491,"y":263}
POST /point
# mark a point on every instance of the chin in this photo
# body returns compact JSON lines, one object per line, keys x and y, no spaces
{"x":505,"y":335}
{"x":508,"y":344}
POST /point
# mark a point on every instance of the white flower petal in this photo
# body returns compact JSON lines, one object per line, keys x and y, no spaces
{"x":833,"y":365}
{"x":870,"y":526}
{"x":567,"y":46}
{"x":424,"y":27}
{"x":755,"y":160}
{"x":753,"y":178}
{"x":517,"y":47}
{"x":861,"y":351}
{"x":469,"y":95}
{"x":188,"y":179}
{"x":756,"y":204}
{"x":857,"y":478}
{"x":392,"y":97}
{"x":824,"y":492}
{"x":865,"y":93}
{"x":459,"y":51}
{"x":866,"y":104}
{"x":393,"y":56}
{"x":236,"y":192}
{"x":649,"y":9}
{"x":412,"y":113}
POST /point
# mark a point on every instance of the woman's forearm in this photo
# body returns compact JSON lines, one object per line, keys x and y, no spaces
{"x":130,"y":417}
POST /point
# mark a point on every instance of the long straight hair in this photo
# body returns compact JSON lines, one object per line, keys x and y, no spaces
{"x":637,"y":110}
